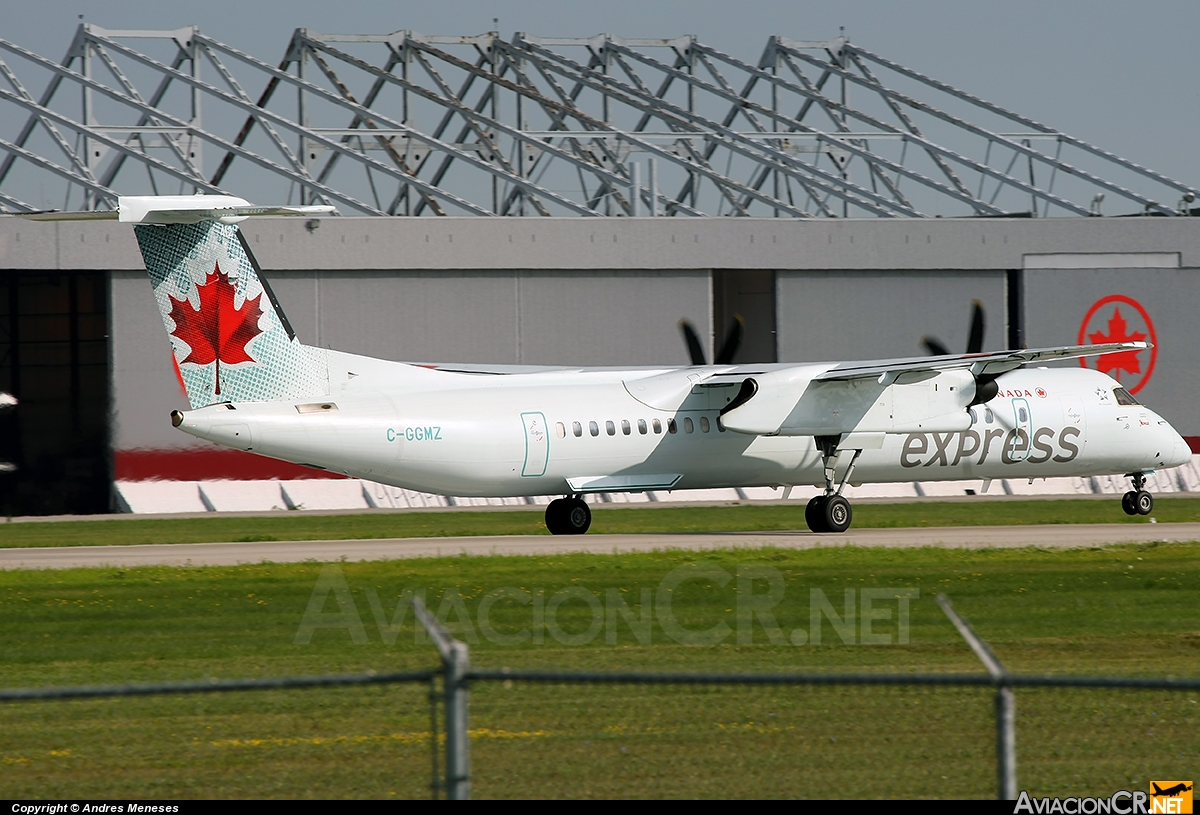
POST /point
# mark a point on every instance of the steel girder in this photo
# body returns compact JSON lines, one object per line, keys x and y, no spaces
{"x":408,"y":124}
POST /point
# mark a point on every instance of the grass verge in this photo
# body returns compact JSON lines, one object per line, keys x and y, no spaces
{"x":624,"y":520}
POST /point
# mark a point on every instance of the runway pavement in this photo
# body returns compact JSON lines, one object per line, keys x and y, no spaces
{"x":226,"y":554}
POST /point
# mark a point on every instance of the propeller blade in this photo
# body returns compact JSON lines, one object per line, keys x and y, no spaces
{"x":695,"y":349}
{"x":733,"y":340}
{"x":935,"y":347}
{"x":975,"y":335}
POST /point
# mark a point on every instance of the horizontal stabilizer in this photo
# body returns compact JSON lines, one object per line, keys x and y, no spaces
{"x":178,"y":209}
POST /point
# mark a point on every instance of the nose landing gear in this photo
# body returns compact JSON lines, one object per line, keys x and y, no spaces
{"x":1137,"y":501}
{"x":568,"y":516}
{"x":831,"y":512}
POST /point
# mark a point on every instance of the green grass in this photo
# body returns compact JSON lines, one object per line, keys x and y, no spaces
{"x":1118,"y":610}
{"x":625,"y":520}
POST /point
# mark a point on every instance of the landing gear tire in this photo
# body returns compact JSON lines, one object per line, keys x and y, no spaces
{"x":837,"y":514}
{"x":1144,"y":502}
{"x":1129,"y":502}
{"x":555,"y":520}
{"x":814,"y":514}
{"x":568,"y":516}
{"x":577,"y":516}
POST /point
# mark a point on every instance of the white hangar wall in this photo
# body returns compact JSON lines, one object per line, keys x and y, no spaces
{"x":850,"y":314}
{"x":538,"y":317}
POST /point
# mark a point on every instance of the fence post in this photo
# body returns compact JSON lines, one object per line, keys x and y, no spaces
{"x":455,"y":661}
{"x":1006,"y":742}
{"x":1006,"y":705}
{"x":458,"y":771}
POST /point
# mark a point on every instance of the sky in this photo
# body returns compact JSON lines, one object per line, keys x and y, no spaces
{"x":1120,"y":75}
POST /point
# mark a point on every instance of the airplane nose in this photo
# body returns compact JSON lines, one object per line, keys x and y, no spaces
{"x":1178,"y":452}
{"x":1182,"y":453}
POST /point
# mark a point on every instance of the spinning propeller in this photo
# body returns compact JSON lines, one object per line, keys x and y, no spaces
{"x":974,"y":335}
{"x":729,"y":348}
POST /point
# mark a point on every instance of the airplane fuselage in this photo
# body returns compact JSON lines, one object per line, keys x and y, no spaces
{"x":564,"y":432}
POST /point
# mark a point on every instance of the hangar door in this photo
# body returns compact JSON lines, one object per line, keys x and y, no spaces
{"x":54,"y":359}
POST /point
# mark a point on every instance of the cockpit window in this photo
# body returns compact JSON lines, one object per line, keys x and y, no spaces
{"x":1124,"y":397}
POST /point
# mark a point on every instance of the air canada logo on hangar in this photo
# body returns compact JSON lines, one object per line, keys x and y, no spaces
{"x":1118,"y":318}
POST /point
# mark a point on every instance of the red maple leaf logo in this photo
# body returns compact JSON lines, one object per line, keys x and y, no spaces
{"x":1118,"y":331}
{"x":216,"y":332}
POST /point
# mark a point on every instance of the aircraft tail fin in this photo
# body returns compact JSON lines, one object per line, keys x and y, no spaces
{"x":231,"y":341}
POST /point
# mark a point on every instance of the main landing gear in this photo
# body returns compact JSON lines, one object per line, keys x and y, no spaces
{"x":1137,"y":501}
{"x":568,"y":516}
{"x":831,"y":512}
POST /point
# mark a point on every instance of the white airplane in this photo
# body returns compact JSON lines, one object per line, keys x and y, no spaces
{"x":521,"y":430}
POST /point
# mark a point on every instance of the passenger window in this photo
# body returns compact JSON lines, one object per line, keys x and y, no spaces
{"x":974,"y":418}
{"x":688,"y":427}
{"x":561,"y":430}
{"x":625,"y":426}
{"x":657,"y":425}
{"x":703,"y":424}
{"x":594,"y":428}
{"x":672,"y":428}
{"x":1124,"y":397}
{"x":1022,"y":415}
{"x":720,"y":425}
{"x":577,"y":429}
{"x":642,"y":426}
{"x":610,"y":428}
{"x":987,"y":415}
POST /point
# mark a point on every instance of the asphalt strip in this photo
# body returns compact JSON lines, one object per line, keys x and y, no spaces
{"x":229,"y":554}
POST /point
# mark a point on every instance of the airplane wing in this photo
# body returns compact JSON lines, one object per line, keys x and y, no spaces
{"x":833,"y":398}
{"x":980,"y":364}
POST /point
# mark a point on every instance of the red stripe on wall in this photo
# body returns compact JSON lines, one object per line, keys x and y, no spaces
{"x":203,"y":465}
{"x":1193,"y":443}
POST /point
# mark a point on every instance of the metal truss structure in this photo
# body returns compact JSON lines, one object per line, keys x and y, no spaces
{"x":407,"y":124}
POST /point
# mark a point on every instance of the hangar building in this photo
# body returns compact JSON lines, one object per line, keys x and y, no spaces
{"x":550,"y":201}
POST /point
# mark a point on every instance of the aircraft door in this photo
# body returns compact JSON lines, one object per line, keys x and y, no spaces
{"x":1023,"y":422}
{"x":1073,"y":415}
{"x":537,"y":444}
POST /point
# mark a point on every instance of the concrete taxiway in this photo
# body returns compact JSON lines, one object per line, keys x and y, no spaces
{"x":226,"y":554}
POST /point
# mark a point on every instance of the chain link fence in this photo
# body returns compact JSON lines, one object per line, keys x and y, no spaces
{"x":457,"y":730}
